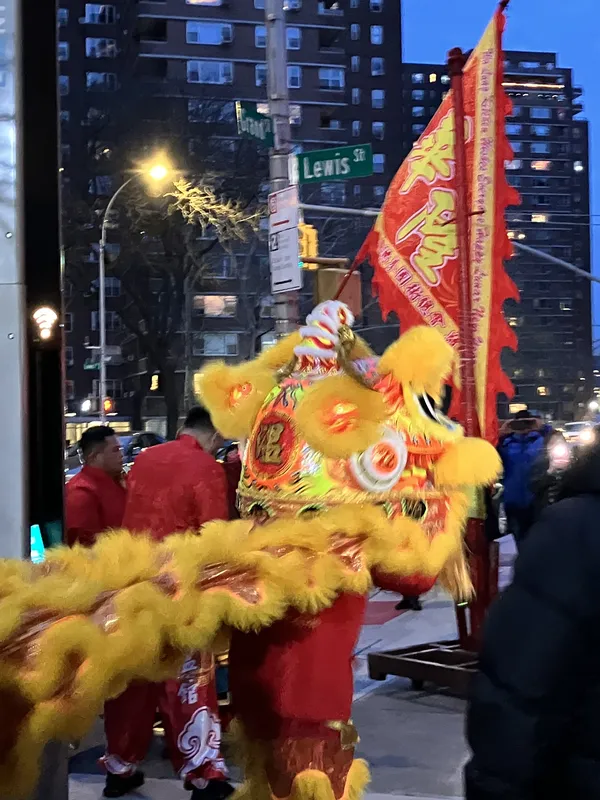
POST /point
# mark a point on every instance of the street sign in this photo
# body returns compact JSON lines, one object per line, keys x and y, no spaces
{"x":253,"y":124}
{"x":286,"y":274}
{"x":337,"y":164}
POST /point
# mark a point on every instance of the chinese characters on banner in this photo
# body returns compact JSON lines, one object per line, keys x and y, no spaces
{"x":413,"y":246}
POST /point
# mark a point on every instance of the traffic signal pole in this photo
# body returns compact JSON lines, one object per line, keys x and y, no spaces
{"x":286,"y":306}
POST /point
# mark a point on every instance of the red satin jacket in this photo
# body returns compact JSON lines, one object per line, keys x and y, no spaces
{"x":94,"y":502}
{"x":174,"y":487}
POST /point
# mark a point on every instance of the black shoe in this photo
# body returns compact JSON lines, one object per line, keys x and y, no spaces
{"x":216,"y":790}
{"x":409,"y":604}
{"x":120,"y":785}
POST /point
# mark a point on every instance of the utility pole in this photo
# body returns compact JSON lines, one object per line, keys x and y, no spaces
{"x":279,"y":109}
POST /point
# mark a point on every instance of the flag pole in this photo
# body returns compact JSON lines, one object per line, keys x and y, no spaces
{"x":480,"y":556}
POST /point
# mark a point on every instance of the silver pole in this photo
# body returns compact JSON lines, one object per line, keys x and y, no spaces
{"x":345,"y":212}
{"x":102,"y":297}
{"x":286,"y":308}
{"x":558,"y":261}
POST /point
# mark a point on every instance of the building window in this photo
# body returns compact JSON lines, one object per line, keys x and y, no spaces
{"x":445,"y":79}
{"x":70,"y":390}
{"x":356,"y":190}
{"x":355,"y":96}
{"x":540,"y":112}
{"x":418,"y":94}
{"x":418,"y":128}
{"x":65,"y":116}
{"x":355,"y":32}
{"x":100,"y":48}
{"x":206,"y":2}
{"x":543,"y":391}
{"x":101,"y":185}
{"x":62,"y":16}
{"x":379,"y":193}
{"x":293,"y":38}
{"x":209,"y":33}
{"x":516,"y":163}
{"x":260,"y":4}
{"x":65,"y":154}
{"x":540,"y":130}
{"x":294,"y":76}
{"x":97,"y":14}
{"x":377,"y":66}
{"x":539,"y":217}
{"x":517,"y":147}
{"x":260,"y":36}
{"x":566,"y":305}
{"x":63,"y":51}
{"x":113,"y":321}
{"x":101,"y":81}
{"x":215,"y":305}
{"x":63,"y":85}
{"x":356,"y":127}
{"x":378,"y":98}
{"x":260,"y":74}
{"x":418,"y":111}
{"x":68,"y":322}
{"x":295,"y":114}
{"x":541,"y":166}
{"x":378,"y":163}
{"x":215,"y":344}
{"x":540,"y":148}
{"x":516,"y":111}
{"x":69,"y":360}
{"x":514,"y":129}
{"x":418,"y":77}
{"x":578,"y":166}
{"x":378,"y":130}
{"x":114,"y":388}
{"x":112,"y":286}
{"x":376,"y":34}
{"x":355,"y":63}
{"x":433,"y":77}
{"x":354,"y":3}
{"x":333,"y":193}
{"x":376,"y":5}
{"x":331,"y":78}
{"x":210,"y":72}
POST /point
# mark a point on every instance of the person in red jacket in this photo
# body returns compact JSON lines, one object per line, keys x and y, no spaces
{"x":95,"y":497}
{"x":173,"y":487}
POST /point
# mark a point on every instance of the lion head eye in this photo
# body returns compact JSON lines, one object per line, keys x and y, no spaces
{"x":380,"y":467}
{"x":428,"y":408}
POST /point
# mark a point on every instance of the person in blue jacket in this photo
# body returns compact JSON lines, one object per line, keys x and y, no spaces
{"x":524,"y":450}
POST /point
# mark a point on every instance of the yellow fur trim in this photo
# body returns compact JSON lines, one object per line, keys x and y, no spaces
{"x":468,"y":462}
{"x":234,"y":394}
{"x":418,"y":422}
{"x":312,"y":784}
{"x":273,"y":358}
{"x":321,"y":406}
{"x":420,"y":357}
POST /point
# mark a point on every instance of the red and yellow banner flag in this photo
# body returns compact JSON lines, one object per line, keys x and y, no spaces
{"x":413,"y":246}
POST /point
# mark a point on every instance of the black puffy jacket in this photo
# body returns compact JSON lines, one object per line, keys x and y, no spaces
{"x":533,"y":721}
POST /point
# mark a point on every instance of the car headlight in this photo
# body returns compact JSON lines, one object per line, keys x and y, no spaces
{"x":586,"y":436}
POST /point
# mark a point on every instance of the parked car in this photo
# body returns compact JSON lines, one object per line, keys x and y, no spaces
{"x":132,"y":445}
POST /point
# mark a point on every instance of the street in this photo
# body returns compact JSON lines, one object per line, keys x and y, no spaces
{"x":413,"y":741}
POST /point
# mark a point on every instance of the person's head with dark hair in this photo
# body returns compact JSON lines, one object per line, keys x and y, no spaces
{"x":100,"y":448}
{"x":199,"y":424}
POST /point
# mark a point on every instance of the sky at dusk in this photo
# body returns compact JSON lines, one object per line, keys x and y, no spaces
{"x":570,"y":28}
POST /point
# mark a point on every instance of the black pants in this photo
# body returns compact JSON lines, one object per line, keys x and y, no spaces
{"x":519,"y":521}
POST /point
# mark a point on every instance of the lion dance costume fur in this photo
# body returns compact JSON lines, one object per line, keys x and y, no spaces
{"x":351,"y":476}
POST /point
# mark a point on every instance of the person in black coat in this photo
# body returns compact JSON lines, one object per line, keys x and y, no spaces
{"x":533,"y":721}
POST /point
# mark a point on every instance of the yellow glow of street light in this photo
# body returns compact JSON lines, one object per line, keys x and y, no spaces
{"x":158,"y":172}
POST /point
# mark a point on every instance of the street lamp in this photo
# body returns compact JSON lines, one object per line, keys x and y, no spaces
{"x":156,"y":171}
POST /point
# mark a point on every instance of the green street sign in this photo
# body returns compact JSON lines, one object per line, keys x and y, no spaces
{"x":337,"y":164}
{"x":252,"y":124}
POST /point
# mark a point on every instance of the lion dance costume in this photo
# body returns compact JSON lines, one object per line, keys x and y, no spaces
{"x":351,"y":476}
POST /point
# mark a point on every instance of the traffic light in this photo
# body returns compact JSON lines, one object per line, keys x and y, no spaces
{"x":108,"y":405}
{"x":308,"y":239}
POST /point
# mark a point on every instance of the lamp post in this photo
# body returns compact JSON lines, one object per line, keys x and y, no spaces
{"x":157,"y":172}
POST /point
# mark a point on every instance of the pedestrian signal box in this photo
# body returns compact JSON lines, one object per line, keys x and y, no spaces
{"x":108,"y":405}
{"x":308,"y":239}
